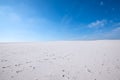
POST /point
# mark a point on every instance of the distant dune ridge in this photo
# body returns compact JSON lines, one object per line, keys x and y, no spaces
{"x":60,"y":60}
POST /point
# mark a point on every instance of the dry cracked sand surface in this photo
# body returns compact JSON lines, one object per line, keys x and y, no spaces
{"x":62,"y":60}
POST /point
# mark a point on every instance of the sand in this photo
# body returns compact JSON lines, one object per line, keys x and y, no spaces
{"x":60,"y":60}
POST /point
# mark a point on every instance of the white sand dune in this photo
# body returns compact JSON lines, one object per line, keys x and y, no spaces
{"x":65,"y":60}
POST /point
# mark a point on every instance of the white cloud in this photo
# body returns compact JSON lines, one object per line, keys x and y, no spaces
{"x":113,"y":34}
{"x":9,"y":16}
{"x":110,"y":34}
{"x":15,"y":25}
{"x":97,"y":24}
{"x":101,"y":3}
{"x":117,"y":30}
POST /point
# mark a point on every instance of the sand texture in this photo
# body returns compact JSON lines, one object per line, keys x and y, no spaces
{"x":60,"y":60}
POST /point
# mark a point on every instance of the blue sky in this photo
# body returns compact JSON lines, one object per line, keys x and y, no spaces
{"x":56,"y":20}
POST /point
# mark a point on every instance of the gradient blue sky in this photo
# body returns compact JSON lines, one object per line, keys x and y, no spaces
{"x":51,"y":20}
